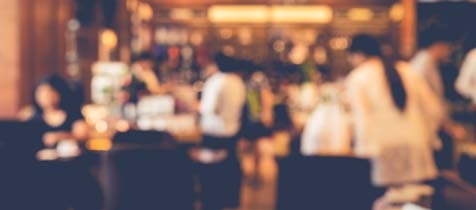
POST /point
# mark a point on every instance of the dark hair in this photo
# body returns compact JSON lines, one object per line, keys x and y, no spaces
{"x":325,"y":72}
{"x":434,"y":35}
{"x":249,"y":67}
{"x":369,"y":46}
{"x":62,"y":88}
{"x":227,"y":63}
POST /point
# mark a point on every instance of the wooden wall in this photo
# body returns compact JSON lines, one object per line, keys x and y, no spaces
{"x":43,"y":42}
{"x":9,"y":57}
{"x":33,"y":46}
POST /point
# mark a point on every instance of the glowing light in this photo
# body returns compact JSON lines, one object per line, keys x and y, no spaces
{"x":360,"y":14}
{"x":181,"y":14}
{"x":339,"y":43}
{"x":145,"y":11}
{"x":301,"y":14}
{"x":109,"y":38}
{"x":99,"y":144}
{"x":397,"y":12}
{"x":238,"y":14}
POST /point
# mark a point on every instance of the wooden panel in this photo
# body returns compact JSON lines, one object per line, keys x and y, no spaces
{"x":9,"y":58}
{"x":32,"y":41}
{"x":43,"y":41}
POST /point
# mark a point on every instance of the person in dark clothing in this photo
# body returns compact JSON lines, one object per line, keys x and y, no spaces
{"x":54,"y":106}
{"x":62,"y":185}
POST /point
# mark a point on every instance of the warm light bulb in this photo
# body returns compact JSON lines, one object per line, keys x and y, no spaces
{"x":301,"y":14}
{"x":238,"y":14}
{"x":360,"y":14}
{"x":397,"y":12}
{"x":145,"y":11}
{"x":109,"y":38}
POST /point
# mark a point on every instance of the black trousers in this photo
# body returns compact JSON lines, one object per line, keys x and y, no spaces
{"x":220,"y":182}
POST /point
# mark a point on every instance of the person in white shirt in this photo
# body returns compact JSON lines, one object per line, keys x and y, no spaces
{"x":222,"y":102}
{"x":390,"y":106}
{"x":466,"y":82}
{"x":436,"y":50}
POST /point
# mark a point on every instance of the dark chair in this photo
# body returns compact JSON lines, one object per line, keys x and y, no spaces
{"x":146,"y":170}
{"x":19,"y":142}
{"x":324,"y":183}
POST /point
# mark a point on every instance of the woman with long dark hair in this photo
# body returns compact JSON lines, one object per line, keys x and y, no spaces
{"x":391,"y":106}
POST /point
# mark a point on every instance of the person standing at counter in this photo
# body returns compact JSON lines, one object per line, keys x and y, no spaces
{"x":143,"y":78}
{"x":466,"y":82}
{"x":435,"y":51}
{"x":222,"y":102}
{"x":389,"y":103}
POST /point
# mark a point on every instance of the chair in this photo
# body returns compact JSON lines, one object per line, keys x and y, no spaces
{"x":19,"y":142}
{"x":324,"y":183}
{"x":145,"y":170}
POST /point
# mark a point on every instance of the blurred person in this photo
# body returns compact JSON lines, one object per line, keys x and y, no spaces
{"x":466,"y":81}
{"x":72,"y":185}
{"x":390,"y":107}
{"x":143,"y":78}
{"x":221,"y":106}
{"x":257,"y":116}
{"x":54,"y":107}
{"x":436,"y":48}
{"x":327,"y":132}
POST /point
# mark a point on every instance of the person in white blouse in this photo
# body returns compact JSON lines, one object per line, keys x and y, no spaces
{"x":390,"y":108}
{"x":222,"y":102}
{"x":327,"y":132}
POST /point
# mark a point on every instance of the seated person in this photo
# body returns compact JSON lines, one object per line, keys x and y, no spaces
{"x":52,"y":107}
